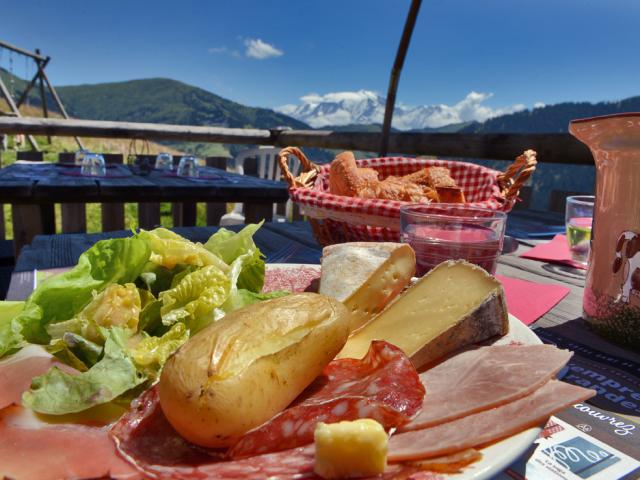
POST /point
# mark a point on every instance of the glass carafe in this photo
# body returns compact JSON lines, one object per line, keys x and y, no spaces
{"x":611,"y":302}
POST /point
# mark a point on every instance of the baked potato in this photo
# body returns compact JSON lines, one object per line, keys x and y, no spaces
{"x":240,"y":371}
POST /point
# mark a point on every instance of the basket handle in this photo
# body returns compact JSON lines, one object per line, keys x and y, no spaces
{"x":309,"y":169}
{"x":517,"y":174}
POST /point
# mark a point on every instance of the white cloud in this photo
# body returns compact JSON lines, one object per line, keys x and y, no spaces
{"x":260,"y":50}
{"x":539,"y":105}
{"x":216,"y":50}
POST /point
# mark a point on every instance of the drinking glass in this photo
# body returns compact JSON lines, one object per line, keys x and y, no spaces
{"x":188,"y":166}
{"x":578,"y":219}
{"x":79,"y":156}
{"x":451,"y":232}
{"x":93,"y":164}
{"x":164,"y":161}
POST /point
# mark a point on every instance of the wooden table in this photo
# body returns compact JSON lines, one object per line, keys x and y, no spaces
{"x":33,"y":189}
{"x":597,"y":363}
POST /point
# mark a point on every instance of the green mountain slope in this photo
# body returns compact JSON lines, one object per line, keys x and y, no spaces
{"x":161,"y":100}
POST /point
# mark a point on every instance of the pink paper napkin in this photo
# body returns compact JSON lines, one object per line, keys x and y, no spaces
{"x":528,"y":301}
{"x":555,"y":251}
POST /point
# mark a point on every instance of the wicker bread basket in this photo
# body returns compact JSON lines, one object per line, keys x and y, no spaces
{"x":336,"y":218}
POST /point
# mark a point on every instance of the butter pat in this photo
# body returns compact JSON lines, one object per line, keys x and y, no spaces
{"x":454,"y":305}
{"x":366,"y":276}
{"x":350,"y":449}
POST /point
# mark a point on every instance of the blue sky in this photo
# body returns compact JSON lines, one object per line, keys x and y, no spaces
{"x":520,"y":51}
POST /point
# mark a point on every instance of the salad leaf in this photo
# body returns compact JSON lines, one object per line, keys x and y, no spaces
{"x":155,"y":278}
{"x":117,"y":305}
{"x":195,"y":297}
{"x":75,"y":350}
{"x":10,"y":336}
{"x":150,"y":318}
{"x":230,"y":246}
{"x":59,"y":298}
{"x":170,"y":249}
{"x":57,"y":392}
{"x":150,"y":353}
{"x":241,"y":298}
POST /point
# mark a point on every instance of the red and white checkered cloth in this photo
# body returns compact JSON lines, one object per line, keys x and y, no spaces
{"x":366,"y":219}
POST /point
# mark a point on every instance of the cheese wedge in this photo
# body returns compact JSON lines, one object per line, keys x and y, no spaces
{"x":454,"y":305}
{"x":366,"y":276}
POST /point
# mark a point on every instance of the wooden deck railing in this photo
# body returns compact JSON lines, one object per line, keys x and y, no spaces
{"x":551,"y":147}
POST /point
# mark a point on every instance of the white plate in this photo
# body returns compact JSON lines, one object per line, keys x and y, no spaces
{"x":500,"y":455}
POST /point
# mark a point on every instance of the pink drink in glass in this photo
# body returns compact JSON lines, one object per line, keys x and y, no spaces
{"x":453,"y":232}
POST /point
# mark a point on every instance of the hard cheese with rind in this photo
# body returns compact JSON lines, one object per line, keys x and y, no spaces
{"x":454,"y":305}
{"x":350,"y":449}
{"x":366,"y":276}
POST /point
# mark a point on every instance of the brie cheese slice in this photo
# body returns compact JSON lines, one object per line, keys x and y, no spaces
{"x":366,"y":276}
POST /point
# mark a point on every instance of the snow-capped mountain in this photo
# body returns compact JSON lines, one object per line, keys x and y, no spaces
{"x":366,"y":107}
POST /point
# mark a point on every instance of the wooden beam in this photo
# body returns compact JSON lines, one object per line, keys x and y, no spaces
{"x":148,"y":131}
{"x":54,"y":94}
{"x":551,"y":147}
{"x":7,"y":96}
{"x":25,"y":92}
{"x":395,"y":73}
{"x":22,"y":51}
{"x":43,"y":96}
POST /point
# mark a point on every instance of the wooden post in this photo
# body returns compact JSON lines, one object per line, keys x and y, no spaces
{"x":215,"y":210}
{"x":74,"y":217}
{"x":185,"y":214}
{"x":113,"y":213}
{"x":395,"y":73}
{"x":255,"y":212}
{"x":148,"y":215}
{"x":7,"y":96}
{"x":29,"y":221}
{"x":56,"y":99}
{"x":40,"y":66}
{"x":43,"y":98}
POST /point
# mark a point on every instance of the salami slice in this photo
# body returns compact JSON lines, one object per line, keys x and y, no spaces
{"x":383,"y":386}
{"x":145,"y":438}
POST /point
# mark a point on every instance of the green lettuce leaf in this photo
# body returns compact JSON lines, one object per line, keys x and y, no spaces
{"x":230,"y":246}
{"x":170,"y":249}
{"x":61,"y":297}
{"x":195,"y":297}
{"x":75,"y":350}
{"x":57,"y":392}
{"x":241,"y":298}
{"x":116,"y":306}
{"x":10,"y":336}
{"x":150,"y":353}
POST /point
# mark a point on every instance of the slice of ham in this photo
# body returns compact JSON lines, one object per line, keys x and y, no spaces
{"x":383,"y":386}
{"x":17,"y":370}
{"x":484,"y":378}
{"x":486,"y":426}
{"x":32,"y":449}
